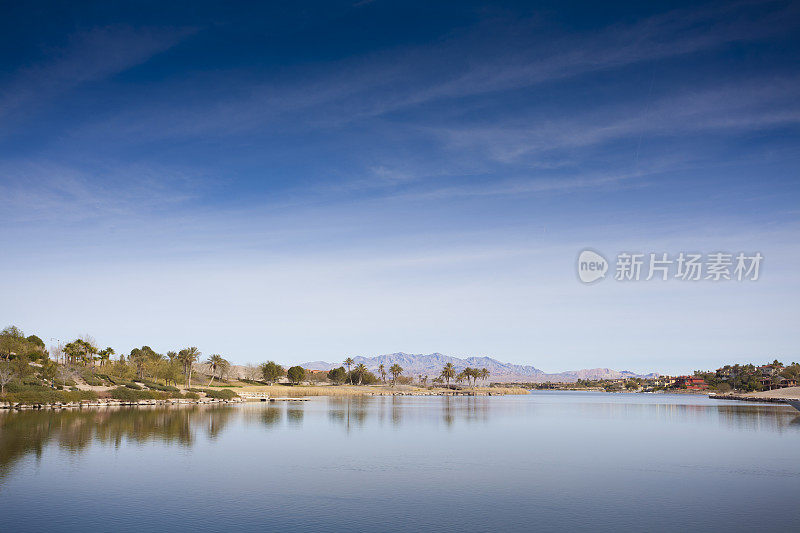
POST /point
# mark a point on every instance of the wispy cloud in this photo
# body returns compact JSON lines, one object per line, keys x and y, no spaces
{"x":744,"y":106}
{"x":44,"y":191}
{"x":502,"y":55}
{"x":88,"y":56}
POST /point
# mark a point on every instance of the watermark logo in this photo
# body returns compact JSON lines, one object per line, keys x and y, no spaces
{"x":591,"y":266}
{"x":661,"y":266}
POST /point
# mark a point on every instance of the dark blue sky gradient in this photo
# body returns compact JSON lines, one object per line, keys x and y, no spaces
{"x":497,"y":137}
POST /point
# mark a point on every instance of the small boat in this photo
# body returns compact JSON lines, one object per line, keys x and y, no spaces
{"x":794,"y":403}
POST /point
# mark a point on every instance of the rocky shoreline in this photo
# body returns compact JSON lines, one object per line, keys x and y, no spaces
{"x":745,"y":398}
{"x":117,"y":403}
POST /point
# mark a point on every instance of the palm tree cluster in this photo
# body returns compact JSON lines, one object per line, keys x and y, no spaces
{"x":448,"y":373}
{"x":140,"y":363}
{"x":80,"y":351}
{"x":473,"y":374}
{"x":395,"y":370}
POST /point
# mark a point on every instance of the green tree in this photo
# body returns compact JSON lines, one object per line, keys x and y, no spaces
{"x":360,"y":371}
{"x":12,"y":340}
{"x":8,"y":373}
{"x":188,"y":357}
{"x":22,"y":367}
{"x":48,"y":370}
{"x":296,"y":374}
{"x":169,"y":371}
{"x":485,"y":374}
{"x":105,"y":355}
{"x":348,"y":363}
{"x":36,"y":341}
{"x":337,"y":375}
{"x":217,"y":363}
{"x":138,"y":358}
{"x":395,"y":370}
{"x":448,"y":373}
{"x":271,"y":371}
{"x":382,"y":372}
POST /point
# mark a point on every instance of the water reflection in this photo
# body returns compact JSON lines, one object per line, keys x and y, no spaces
{"x":356,"y":413}
{"x":28,"y":433}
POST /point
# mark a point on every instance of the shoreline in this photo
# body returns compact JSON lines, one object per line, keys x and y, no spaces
{"x":374,"y":390}
{"x":110,"y":402}
{"x":274,"y":393}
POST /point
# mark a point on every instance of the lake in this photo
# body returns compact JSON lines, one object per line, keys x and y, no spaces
{"x":546,"y":461}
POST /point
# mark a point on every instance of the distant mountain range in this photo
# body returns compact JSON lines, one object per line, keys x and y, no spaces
{"x":431,"y":365}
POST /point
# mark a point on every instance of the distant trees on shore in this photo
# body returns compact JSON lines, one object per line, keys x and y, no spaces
{"x":82,"y":360}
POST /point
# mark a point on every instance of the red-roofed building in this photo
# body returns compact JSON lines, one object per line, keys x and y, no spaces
{"x":691,"y":382}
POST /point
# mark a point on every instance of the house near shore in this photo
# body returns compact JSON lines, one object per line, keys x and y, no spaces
{"x":770,"y":370}
{"x":691,"y":382}
{"x":771,"y":383}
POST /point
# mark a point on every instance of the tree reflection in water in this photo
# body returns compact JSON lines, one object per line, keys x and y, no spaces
{"x":29,"y":432}
{"x":24,"y":433}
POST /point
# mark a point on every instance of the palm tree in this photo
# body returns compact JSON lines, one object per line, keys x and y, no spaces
{"x":468,"y":374}
{"x":395,"y":370}
{"x":361,"y":370}
{"x":187,"y":357}
{"x":448,"y":372}
{"x":348,"y":363}
{"x":105,"y":355}
{"x":382,"y":371}
{"x":83,"y":350}
{"x":138,"y":358}
{"x":473,"y":373}
{"x":484,"y":374}
{"x":217,"y":363}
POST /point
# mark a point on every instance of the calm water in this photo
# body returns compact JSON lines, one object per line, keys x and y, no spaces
{"x":548,"y":461}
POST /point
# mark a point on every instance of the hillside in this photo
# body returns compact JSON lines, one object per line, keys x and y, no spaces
{"x":431,"y":365}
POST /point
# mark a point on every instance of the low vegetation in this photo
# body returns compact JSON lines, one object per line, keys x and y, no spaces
{"x":39,"y":395}
{"x":32,"y":373}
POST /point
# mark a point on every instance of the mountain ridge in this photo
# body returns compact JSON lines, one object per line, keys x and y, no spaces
{"x":431,"y":364}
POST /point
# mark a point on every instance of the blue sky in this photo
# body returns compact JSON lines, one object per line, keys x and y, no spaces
{"x":308,"y":181}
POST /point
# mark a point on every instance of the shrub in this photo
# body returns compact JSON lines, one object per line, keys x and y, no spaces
{"x":35,"y":394}
{"x":128,"y":394}
{"x":132,"y":395}
{"x":225,"y":394}
{"x":157,"y":386}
